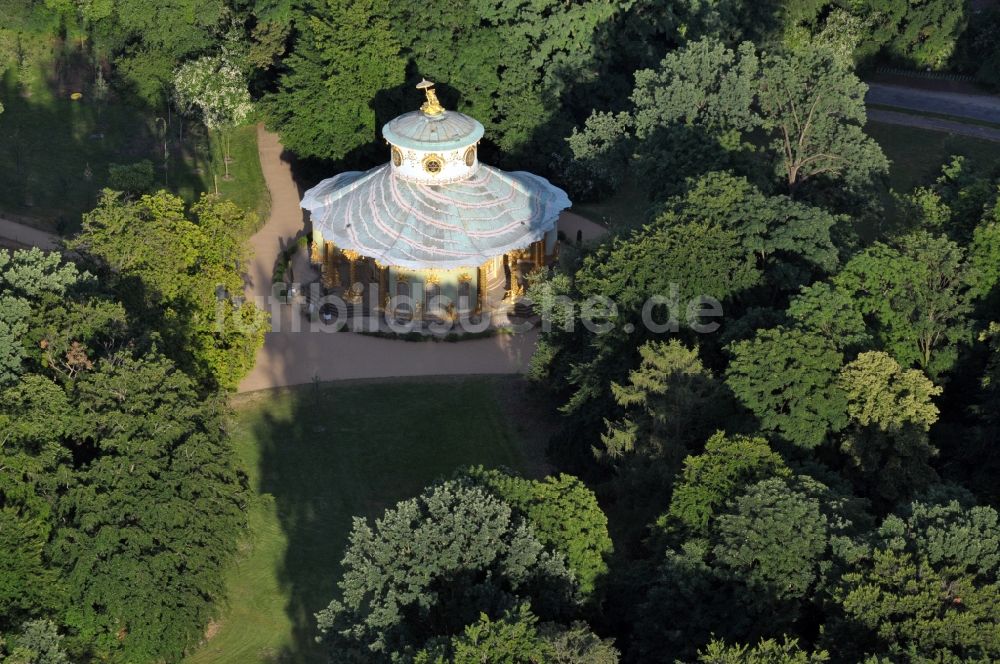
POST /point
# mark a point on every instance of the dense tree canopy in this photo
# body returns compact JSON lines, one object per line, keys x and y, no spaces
{"x":120,"y":498}
{"x":346,"y":54}
{"x":184,"y":269}
{"x":431,"y":565}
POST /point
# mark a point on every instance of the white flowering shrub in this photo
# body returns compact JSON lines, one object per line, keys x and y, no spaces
{"x":216,"y":88}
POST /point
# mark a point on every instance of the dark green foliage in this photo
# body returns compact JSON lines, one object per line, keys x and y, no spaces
{"x":667,"y":400}
{"x":891,"y":411}
{"x":431,"y":565}
{"x":832,"y":313}
{"x":926,"y":590}
{"x":153,"y":517}
{"x":120,"y":502}
{"x":789,"y":240}
{"x":132,"y":179}
{"x":762,"y":564}
{"x":787,"y":378}
{"x":345,"y":55}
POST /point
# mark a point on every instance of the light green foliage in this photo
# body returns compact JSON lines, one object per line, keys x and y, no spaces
{"x":984,"y":256}
{"x":927,"y":592}
{"x":517,"y":638}
{"x":830,"y":312}
{"x":768,"y":651}
{"x":38,"y":642}
{"x":178,"y":265}
{"x":703,"y":85}
{"x":345,"y":54}
{"x":787,"y":378}
{"x":696,"y":113}
{"x":778,"y":231}
{"x":668,"y":399}
{"x":881,"y":393}
{"x":565,"y":517}
{"x":891,"y":410}
{"x":927,"y":207}
{"x":814,"y":106}
{"x":916,"y":296}
{"x":431,"y":565}
{"x":577,"y":645}
{"x":513,"y":639}
{"x":713,"y":478}
{"x":693,"y":111}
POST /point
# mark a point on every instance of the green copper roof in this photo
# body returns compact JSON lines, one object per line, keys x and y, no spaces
{"x":415,"y":225}
{"x":449,"y":130}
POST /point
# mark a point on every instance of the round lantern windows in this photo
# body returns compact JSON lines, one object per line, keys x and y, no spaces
{"x":470,"y":156}
{"x":433,"y":164}
{"x":397,"y":157}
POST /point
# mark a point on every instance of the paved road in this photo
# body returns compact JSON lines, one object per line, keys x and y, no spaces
{"x":934,"y":124}
{"x":985,"y":108}
{"x":28,"y":236}
{"x":291,"y":357}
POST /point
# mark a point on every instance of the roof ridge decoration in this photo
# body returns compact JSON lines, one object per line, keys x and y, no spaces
{"x":432,"y":106}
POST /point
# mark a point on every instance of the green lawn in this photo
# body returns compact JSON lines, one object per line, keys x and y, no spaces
{"x":55,"y":151}
{"x":319,"y":455}
{"x":917,"y":155}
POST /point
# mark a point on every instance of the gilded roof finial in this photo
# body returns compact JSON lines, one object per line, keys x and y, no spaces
{"x":432,"y":106}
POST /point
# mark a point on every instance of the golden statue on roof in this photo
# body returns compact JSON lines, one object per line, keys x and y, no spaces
{"x":432,"y":106}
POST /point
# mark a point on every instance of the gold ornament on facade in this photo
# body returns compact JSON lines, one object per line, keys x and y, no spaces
{"x":432,"y":106}
{"x":433,"y":163}
{"x":397,"y":157}
{"x":464,"y":278}
{"x":350,"y":254}
{"x":432,"y":278}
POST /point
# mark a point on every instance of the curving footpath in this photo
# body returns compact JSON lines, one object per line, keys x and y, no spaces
{"x":28,"y":236}
{"x":291,"y":357}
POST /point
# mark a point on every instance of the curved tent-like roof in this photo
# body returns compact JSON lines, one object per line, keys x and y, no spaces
{"x":422,"y":225}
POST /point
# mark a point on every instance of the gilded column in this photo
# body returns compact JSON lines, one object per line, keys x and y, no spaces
{"x":331,"y":267}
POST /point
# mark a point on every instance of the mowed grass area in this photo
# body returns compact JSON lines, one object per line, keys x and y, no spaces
{"x":318,"y":456}
{"x":917,"y":155}
{"x":55,"y":150}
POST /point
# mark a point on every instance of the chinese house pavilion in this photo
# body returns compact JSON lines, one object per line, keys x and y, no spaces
{"x":434,"y":224}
